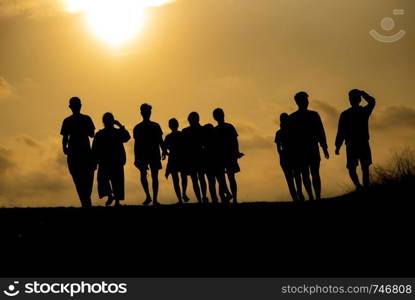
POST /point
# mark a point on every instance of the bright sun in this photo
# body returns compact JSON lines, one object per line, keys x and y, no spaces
{"x":114,"y":21}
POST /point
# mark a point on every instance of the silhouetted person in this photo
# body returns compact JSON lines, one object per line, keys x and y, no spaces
{"x":76,"y":131}
{"x":285,"y":151}
{"x":109,"y":153}
{"x":211,"y":166}
{"x":354,"y":130}
{"x":174,"y":144}
{"x":227,"y":139}
{"x":194,"y":150}
{"x":148,"y":138}
{"x":307,"y":134}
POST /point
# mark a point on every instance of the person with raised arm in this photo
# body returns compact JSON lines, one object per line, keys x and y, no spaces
{"x":353,"y":130}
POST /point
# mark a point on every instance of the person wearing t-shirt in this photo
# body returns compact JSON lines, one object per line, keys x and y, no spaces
{"x":148,"y":138}
{"x":227,"y":139}
{"x":353,"y":130}
{"x":76,"y":131}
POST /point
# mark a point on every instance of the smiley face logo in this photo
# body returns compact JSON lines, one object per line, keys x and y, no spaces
{"x":12,"y":290}
{"x":388,"y":24}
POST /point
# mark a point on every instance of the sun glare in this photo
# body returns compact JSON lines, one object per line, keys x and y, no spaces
{"x":114,"y":21}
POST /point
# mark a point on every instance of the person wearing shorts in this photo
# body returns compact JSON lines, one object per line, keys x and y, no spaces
{"x":148,"y":138}
{"x":353,"y":130}
{"x":227,"y":140}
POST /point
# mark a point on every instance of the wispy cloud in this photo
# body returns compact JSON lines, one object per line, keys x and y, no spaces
{"x":31,"y":8}
{"x":6,"y":89}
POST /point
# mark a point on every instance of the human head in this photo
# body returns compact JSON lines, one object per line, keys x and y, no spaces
{"x":301,"y":98}
{"x":145,"y":110}
{"x":173,"y":124}
{"x":283,"y":120}
{"x":75,"y":104}
{"x":193,"y":118}
{"x":219,"y":115}
{"x":355,"y":97}
{"x":108,"y":120}
{"x":209,"y":126}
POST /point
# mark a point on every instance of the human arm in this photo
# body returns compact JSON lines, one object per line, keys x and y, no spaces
{"x":278,"y":143}
{"x":136,"y":146}
{"x":238,"y":153}
{"x":162,"y":145}
{"x":340,"y":137}
{"x":91,"y":128}
{"x":65,"y":140}
{"x":124,"y":134}
{"x":371,"y":102}
{"x":322,"y":140}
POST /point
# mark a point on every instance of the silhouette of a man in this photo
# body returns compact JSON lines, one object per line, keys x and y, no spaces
{"x":174,"y":143}
{"x":353,"y":129}
{"x":227,"y":139}
{"x":76,"y":131}
{"x":307,"y":134}
{"x":285,"y":151}
{"x":148,"y":138}
{"x":194,"y":150}
{"x":109,"y":153}
{"x":210,"y":154}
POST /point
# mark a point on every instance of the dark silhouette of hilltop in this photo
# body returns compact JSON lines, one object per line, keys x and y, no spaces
{"x":365,"y":233}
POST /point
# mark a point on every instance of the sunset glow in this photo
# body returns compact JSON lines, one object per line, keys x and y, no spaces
{"x":114,"y":21}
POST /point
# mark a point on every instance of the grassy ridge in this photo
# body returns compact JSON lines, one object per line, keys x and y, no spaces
{"x":367,"y":233}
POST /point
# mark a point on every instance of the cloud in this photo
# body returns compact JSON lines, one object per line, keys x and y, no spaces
{"x":32,"y":8}
{"x":251,"y":139}
{"x":6,"y":89}
{"x":32,"y":173}
{"x":389,"y":117}
{"x":28,"y":141}
{"x":6,"y":162}
{"x":394,"y":117}
{"x":38,"y":8}
{"x":328,"y":112}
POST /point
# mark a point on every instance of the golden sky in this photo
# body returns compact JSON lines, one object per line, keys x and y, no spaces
{"x":248,"y":57}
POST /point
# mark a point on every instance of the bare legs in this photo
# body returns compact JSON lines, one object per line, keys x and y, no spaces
{"x":180,"y":193}
{"x":203,"y":186}
{"x":144,"y":183}
{"x":305,"y":175}
{"x":233,"y":186}
{"x":315,"y":177}
{"x":155,"y":185}
{"x":176,"y":185}
{"x":224,"y":193}
{"x":184,"y":187}
{"x":212,"y":187}
{"x":366,"y":176}
{"x":196,"y":188}
{"x":355,"y":178}
{"x":289,"y":177}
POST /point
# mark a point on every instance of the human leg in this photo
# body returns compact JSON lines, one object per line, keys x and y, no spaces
{"x":365,"y":175}
{"x":176,"y":185}
{"x":196,"y":188}
{"x":305,"y":175}
{"x":289,"y":177}
{"x":184,"y":187}
{"x":212,"y":187}
{"x":315,"y":176}
{"x":233,"y":186}
{"x":155,"y":184}
{"x":144,"y":183}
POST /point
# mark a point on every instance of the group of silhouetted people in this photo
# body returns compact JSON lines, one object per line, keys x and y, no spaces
{"x":209,"y":154}
{"x":201,"y":152}
{"x":302,"y":133}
